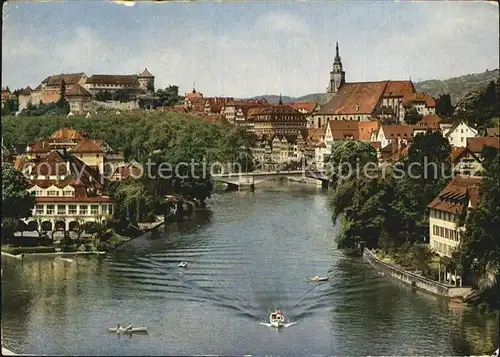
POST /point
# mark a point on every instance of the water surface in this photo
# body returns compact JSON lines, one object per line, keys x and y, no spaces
{"x":247,"y":256}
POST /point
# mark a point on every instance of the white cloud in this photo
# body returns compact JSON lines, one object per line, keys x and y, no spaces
{"x":281,"y":23}
{"x":277,"y":52}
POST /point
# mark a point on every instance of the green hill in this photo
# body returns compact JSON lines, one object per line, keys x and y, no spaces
{"x":457,"y":86}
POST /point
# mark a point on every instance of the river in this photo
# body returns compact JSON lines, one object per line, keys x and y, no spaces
{"x":248,"y":255}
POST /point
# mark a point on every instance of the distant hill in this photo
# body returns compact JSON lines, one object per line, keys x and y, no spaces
{"x":457,"y":87}
{"x":314,"y":97}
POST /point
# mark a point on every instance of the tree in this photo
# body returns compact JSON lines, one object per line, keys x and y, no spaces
{"x":62,"y":103}
{"x":444,"y":108}
{"x":349,"y":157}
{"x":124,"y":95}
{"x":480,"y":246}
{"x":16,"y":200}
{"x":79,"y":229}
{"x":412,"y":116}
{"x":103,"y":96}
{"x":168,"y":96}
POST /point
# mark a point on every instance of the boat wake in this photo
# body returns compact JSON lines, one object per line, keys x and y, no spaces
{"x":284,"y":325}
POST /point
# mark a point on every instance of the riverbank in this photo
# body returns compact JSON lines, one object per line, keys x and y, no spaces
{"x":51,"y":254}
{"x":117,"y":240}
{"x":416,"y":280}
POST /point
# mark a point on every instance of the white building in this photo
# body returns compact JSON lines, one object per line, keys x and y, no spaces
{"x":459,"y":132}
{"x":67,"y":193}
{"x":450,"y":208}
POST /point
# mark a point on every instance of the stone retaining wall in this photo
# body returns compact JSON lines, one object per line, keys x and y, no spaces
{"x":416,"y":280}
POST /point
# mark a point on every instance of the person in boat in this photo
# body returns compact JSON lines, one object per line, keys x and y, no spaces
{"x":278,"y":313}
{"x":118,"y":327}
{"x":129,"y":327}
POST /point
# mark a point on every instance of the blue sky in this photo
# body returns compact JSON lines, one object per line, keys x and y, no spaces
{"x":243,"y":49}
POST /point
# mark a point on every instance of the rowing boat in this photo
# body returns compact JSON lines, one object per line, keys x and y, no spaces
{"x":124,"y":330}
{"x":317,"y":278}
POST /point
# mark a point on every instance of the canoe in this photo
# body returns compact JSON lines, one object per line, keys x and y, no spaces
{"x":132,"y":330}
{"x":317,"y":278}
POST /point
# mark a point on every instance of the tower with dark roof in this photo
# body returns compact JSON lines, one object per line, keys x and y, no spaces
{"x":146,"y":81}
{"x":337,"y":75}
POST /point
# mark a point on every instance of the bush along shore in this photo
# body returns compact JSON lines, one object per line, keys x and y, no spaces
{"x":388,"y":213}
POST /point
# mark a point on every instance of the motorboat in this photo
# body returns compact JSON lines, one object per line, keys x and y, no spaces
{"x":182,"y":264}
{"x":276,"y":319}
{"x":317,"y":278}
{"x":130,"y":330}
{"x":495,"y":354}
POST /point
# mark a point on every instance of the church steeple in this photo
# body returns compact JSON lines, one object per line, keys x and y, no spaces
{"x":337,"y":74}
{"x":281,"y":101}
{"x":337,"y":56}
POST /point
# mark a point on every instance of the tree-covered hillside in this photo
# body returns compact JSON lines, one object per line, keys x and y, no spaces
{"x":458,"y":86}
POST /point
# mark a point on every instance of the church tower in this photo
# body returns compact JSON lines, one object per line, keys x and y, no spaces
{"x":337,"y":76}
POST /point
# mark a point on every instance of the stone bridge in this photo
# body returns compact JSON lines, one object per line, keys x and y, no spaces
{"x":241,"y":181}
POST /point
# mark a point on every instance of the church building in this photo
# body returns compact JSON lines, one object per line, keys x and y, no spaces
{"x":368,"y":101}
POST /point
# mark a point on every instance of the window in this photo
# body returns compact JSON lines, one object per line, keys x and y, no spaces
{"x":67,"y":193}
{"x":61,"y":209}
{"x":94,"y":209}
{"x":52,"y":193}
{"x":39,"y":209}
{"x":462,"y":139}
{"x":83,"y":210}
{"x":441,"y":232}
{"x":50,"y":209}
{"x":72,"y":209}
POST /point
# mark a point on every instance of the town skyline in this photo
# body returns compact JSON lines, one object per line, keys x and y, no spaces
{"x":251,"y":49}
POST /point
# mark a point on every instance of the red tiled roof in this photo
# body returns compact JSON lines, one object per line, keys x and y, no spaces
{"x":112,"y":79}
{"x":342,"y":129}
{"x":57,"y":79}
{"x":95,"y":199}
{"x":355,"y":98}
{"x":78,"y":90}
{"x":193,"y":96}
{"x":55,"y":163}
{"x":419,"y":98}
{"x":476,"y":145}
{"x":430,"y":121}
{"x":454,"y":197}
{"x":457,"y":152}
{"x":306,"y":107}
{"x":394,"y":131}
{"x":398,"y":89}
{"x":146,"y":74}
{"x":268,"y":112}
{"x":88,"y":146}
